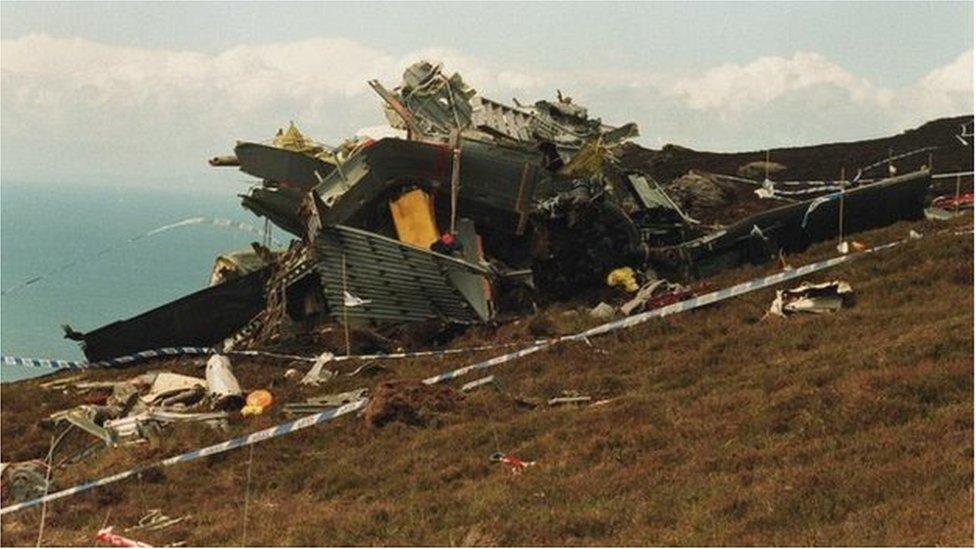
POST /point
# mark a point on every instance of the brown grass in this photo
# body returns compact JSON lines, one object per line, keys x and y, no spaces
{"x":849,"y":429}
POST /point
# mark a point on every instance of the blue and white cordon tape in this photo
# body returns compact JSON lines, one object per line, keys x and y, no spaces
{"x":126,"y":360}
{"x":681,"y":306}
{"x":253,"y":438}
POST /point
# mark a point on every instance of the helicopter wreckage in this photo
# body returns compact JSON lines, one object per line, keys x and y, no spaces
{"x":478,"y":212}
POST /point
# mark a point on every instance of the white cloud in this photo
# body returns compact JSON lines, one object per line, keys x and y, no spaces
{"x":947,"y":89}
{"x":735,"y":88}
{"x":120,"y":110}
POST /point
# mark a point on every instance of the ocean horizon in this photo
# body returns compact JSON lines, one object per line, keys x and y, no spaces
{"x":44,"y":227}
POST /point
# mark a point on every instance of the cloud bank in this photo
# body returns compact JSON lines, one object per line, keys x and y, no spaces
{"x":79,"y":108}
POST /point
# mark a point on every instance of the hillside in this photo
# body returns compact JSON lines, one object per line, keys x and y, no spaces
{"x":723,"y":429}
{"x":817,"y":162}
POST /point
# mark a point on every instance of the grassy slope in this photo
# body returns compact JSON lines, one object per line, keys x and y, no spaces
{"x":855,"y":428}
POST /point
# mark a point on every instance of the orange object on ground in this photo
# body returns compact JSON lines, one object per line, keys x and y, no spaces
{"x":260,"y":398}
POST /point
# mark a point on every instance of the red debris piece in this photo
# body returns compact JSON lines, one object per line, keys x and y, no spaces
{"x":107,"y":535}
{"x":516,"y":464}
{"x":949,"y":202}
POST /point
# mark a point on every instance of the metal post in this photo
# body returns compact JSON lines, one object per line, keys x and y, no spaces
{"x":840,"y":220}
{"x":345,"y":308}
{"x":455,"y":176}
{"x":958,"y":184}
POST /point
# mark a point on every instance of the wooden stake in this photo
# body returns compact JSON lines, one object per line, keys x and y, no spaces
{"x":767,"y":164}
{"x":47,"y":483}
{"x":958,"y":183}
{"x":247,"y":497}
{"x":345,"y":308}
{"x":840,"y":220}
{"x":455,"y":176}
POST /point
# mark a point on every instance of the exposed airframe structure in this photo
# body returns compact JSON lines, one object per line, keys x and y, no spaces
{"x":531,"y":195}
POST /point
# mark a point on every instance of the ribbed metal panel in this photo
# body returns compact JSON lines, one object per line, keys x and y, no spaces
{"x":401,"y":282}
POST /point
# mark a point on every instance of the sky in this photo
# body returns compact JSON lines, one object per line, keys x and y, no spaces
{"x":142,"y":93}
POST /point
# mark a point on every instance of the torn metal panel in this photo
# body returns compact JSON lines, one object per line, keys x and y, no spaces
{"x":279,"y":205}
{"x":200,"y":319}
{"x":821,"y":298}
{"x":439,"y":104}
{"x":397,"y":281}
{"x":497,"y":184}
{"x":141,"y":426}
{"x":793,"y":227}
{"x":285,"y":167}
{"x":318,"y":404}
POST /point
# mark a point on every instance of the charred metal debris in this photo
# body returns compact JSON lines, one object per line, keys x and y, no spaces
{"x":480,"y":211}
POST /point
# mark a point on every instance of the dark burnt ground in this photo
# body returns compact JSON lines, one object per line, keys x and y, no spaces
{"x":852,"y":429}
{"x":815,"y":162}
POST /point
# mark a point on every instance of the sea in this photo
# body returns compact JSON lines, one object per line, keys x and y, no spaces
{"x":82,"y":243}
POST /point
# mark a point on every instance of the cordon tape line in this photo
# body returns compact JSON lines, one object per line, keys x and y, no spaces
{"x":681,"y":306}
{"x":217,"y":222}
{"x":247,"y":440}
{"x":127,"y":360}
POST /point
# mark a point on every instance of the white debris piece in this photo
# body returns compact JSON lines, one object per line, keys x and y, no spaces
{"x":350,"y":300}
{"x":167,"y":384}
{"x":222,"y":384}
{"x":315,"y":374}
{"x":812,"y":298}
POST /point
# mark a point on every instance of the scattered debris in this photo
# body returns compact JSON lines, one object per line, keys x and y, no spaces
{"x":222,"y":384}
{"x":812,"y":298}
{"x":291,"y":374}
{"x":314,"y":405}
{"x":155,"y":520}
{"x":952,"y":202}
{"x":317,"y":374}
{"x":166,"y":384}
{"x":108,"y":535}
{"x":569,"y":400}
{"x":62,"y":383}
{"x":369,"y":369}
{"x":487,"y":380}
{"x":939,"y":214}
{"x":516,"y":465}
{"x":624,"y":277}
{"x":257,"y":401}
{"x":603,"y":311}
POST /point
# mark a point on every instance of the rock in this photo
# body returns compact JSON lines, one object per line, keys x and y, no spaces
{"x":698,"y":192}
{"x":408,"y":401}
{"x":757,"y":170}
